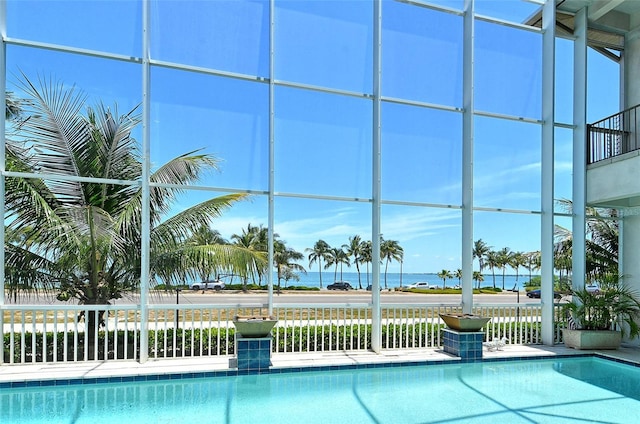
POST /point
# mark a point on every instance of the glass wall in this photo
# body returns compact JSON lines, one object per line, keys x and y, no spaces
{"x":288,"y":114}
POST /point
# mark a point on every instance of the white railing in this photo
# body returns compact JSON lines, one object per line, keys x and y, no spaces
{"x":59,"y":333}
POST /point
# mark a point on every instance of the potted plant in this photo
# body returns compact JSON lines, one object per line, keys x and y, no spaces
{"x":602,"y":317}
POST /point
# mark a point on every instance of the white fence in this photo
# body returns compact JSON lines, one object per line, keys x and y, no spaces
{"x":54,"y":333}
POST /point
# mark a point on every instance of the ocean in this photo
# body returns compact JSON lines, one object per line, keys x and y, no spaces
{"x":312,"y":279}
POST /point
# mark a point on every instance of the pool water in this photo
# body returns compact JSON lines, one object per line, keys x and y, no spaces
{"x":568,"y":390}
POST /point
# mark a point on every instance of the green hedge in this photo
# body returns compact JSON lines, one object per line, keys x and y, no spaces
{"x":196,"y":342}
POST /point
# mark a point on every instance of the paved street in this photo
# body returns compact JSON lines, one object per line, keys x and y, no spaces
{"x":323,"y":297}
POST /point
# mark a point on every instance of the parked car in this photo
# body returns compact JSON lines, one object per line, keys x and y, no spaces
{"x":422,"y":285}
{"x":535,"y":294}
{"x":592,"y":288}
{"x":340,"y":285}
{"x":216,"y":285}
{"x":370,"y":287}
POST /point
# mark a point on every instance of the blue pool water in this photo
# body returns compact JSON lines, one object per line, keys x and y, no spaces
{"x":538,"y":391}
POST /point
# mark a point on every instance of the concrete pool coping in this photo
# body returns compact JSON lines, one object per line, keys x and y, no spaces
{"x":281,"y":362}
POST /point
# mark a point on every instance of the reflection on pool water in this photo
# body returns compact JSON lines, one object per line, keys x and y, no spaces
{"x":534,"y":391}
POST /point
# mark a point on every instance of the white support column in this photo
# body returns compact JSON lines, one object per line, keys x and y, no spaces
{"x":376,"y":311}
{"x":548,"y":95}
{"x":579,"y":148}
{"x":467,"y":157}
{"x":3,"y":105}
{"x":271,"y":156}
{"x":146,"y":165}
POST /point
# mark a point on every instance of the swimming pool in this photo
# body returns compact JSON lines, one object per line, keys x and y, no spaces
{"x":533,"y":391}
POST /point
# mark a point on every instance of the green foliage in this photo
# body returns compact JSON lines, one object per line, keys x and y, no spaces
{"x":610,"y":309}
{"x":213,"y":341}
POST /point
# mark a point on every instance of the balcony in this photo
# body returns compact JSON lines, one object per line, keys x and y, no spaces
{"x":613,"y":136}
{"x":613,"y":158}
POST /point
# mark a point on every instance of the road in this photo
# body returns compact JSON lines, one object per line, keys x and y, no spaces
{"x":323,"y":297}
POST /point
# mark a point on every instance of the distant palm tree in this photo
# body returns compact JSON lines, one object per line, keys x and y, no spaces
{"x":390,"y":250}
{"x":504,"y":259}
{"x":338,"y":258}
{"x":318,"y":253}
{"x":532,"y":262}
{"x":478,"y":277}
{"x":458,"y":275}
{"x":354,"y":249}
{"x":480,"y":251}
{"x":255,"y":239}
{"x":517,"y":260}
{"x":445,"y":275}
{"x":365,"y":256}
{"x":492,"y":261}
{"x":284,"y":259}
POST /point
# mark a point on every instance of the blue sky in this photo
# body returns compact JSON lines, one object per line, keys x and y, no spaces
{"x":323,"y":140}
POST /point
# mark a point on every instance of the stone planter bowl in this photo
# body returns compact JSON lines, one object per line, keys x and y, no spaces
{"x":464,"y":322}
{"x":254,"y":326}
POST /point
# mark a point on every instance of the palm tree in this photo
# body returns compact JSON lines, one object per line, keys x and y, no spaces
{"x":255,"y":239}
{"x":390,"y":250}
{"x":480,"y":251}
{"x":319,"y":252}
{"x":284,"y":259}
{"x":504,"y":258}
{"x":337,"y":257}
{"x":365,"y":256}
{"x":532,"y":262}
{"x":206,"y":236}
{"x":517,"y":260}
{"x":601,"y":243}
{"x":84,"y":238}
{"x":354,"y":249}
{"x":478,"y":277}
{"x":492,"y":261}
{"x":444,"y":274}
{"x":458,"y":275}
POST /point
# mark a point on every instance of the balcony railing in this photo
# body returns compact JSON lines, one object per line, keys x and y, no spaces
{"x":613,"y":136}
{"x":54,"y":333}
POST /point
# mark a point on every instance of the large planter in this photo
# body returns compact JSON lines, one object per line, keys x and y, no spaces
{"x":254,"y":326}
{"x":464,"y":322}
{"x":591,"y":339}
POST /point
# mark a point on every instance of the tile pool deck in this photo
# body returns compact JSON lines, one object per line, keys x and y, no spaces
{"x":91,"y":370}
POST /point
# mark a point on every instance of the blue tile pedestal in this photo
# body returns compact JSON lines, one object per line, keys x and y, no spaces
{"x":466,"y":345}
{"x":253,"y":354}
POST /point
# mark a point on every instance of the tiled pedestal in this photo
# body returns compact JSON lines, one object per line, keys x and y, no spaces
{"x":466,"y":345}
{"x":253,"y":354}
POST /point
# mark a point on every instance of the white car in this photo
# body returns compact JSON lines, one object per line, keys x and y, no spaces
{"x":208,"y":285}
{"x":592,"y":288}
{"x":421,"y":285}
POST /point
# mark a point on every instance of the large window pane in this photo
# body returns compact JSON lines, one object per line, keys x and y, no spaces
{"x":513,"y":10}
{"x":325,"y":43}
{"x":508,"y":70}
{"x":301,"y":223}
{"x":603,"y":86}
{"x":241,"y":217}
{"x":227,"y":35}
{"x":564,"y":81}
{"x":322,"y":143}
{"x":430,"y":239}
{"x":421,"y":154}
{"x":108,"y":81}
{"x":422,"y":54}
{"x":563,"y":164}
{"x":226,"y":117}
{"x":110,"y":26}
{"x":509,"y":233}
{"x":507,"y":162}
